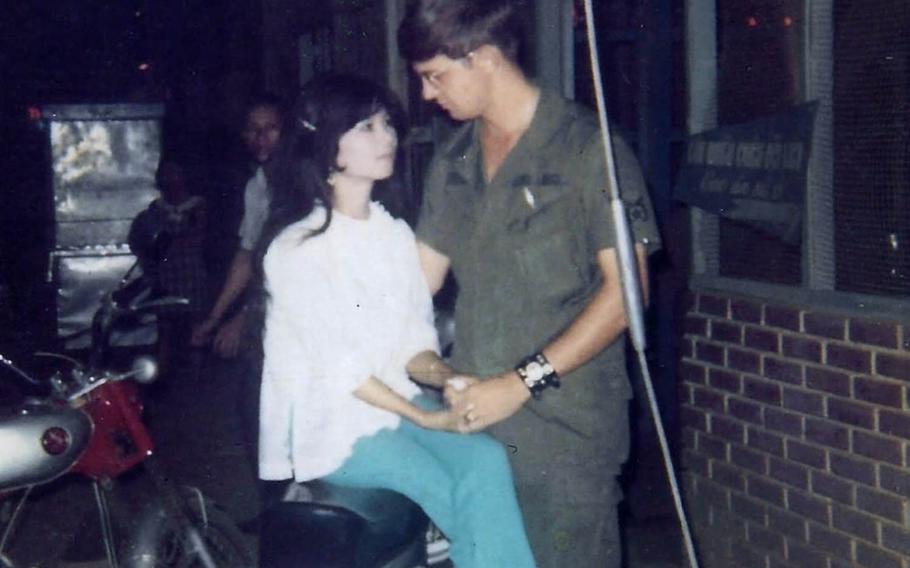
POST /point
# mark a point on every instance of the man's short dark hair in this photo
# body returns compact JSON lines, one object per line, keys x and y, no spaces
{"x":454,"y":28}
{"x":264,"y":99}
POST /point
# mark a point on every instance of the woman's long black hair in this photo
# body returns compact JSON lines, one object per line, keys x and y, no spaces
{"x":327,"y":108}
{"x":307,"y":155}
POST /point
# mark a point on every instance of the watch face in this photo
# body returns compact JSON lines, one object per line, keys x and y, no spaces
{"x":535,"y":371}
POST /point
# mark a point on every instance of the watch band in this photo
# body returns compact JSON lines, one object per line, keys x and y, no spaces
{"x":537,"y":374}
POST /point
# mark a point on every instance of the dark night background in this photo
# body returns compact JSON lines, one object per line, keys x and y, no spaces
{"x":199,"y":58}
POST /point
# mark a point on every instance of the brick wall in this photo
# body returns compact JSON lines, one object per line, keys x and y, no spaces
{"x":796,"y":436}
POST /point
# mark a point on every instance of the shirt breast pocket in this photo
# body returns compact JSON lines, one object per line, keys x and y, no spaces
{"x":548,"y":234}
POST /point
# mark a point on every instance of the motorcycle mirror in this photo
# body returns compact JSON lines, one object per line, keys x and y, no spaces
{"x":144,"y":369}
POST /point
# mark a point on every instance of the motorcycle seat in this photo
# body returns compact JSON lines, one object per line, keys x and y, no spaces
{"x":342,"y":527}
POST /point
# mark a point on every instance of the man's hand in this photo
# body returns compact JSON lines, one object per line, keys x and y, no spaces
{"x":227,"y":341}
{"x":491,"y":401}
{"x":455,"y":388}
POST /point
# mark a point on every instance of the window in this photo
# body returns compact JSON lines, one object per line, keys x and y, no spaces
{"x":872,"y":147}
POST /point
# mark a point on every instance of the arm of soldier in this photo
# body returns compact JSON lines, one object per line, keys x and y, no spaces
{"x":434,"y":265}
{"x":599,"y":324}
{"x":239,"y":275}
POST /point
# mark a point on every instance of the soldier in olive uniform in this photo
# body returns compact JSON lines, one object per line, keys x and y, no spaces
{"x":514,"y":206}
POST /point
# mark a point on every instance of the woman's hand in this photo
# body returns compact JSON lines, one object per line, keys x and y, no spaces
{"x":456,"y":387}
{"x":442,"y":420}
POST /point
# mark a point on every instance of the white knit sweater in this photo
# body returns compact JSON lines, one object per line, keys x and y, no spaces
{"x":344,"y":305}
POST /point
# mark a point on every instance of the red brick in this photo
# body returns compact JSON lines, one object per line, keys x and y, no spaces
{"x":827,"y":433}
{"x":852,"y":522}
{"x":728,"y":429}
{"x":761,"y":339}
{"x":897,"y":366}
{"x":883,"y":393}
{"x":810,"y":507}
{"x":708,"y":399}
{"x":805,"y":454}
{"x":828,"y":380}
{"x":874,"y":557}
{"x":692,"y":372}
{"x":686,"y":347}
{"x":787,"y":318}
{"x":684,"y":393}
{"x":787,"y":523}
{"x":693,"y":418}
{"x":765,"y":540}
{"x":880,"y":504}
{"x":784,"y":371}
{"x":882,"y":334}
{"x":688,"y":301}
{"x":726,"y":332}
{"x":712,"y":305}
{"x":785,"y":422}
{"x":851,"y":413}
{"x":803,"y":348}
{"x":748,"y":459}
{"x":896,"y":539}
{"x":745,"y":361}
{"x":695,"y":463}
{"x":761,"y":391}
{"x":724,"y":380}
{"x":712,"y":447}
{"x":744,"y":410}
{"x":745,"y":311}
{"x":765,"y":441}
{"x":728,"y":476}
{"x":832,"y":487}
{"x":714,"y":495}
{"x":778,"y":563}
{"x":834,"y":543}
{"x":747,"y":508}
{"x":894,"y":423}
{"x":689,"y":439}
{"x":766,"y":491}
{"x":824,"y":325}
{"x":849,"y":467}
{"x":877,"y":447}
{"x":695,"y":325}
{"x":790,"y":473}
{"x":849,"y":358}
{"x":806,"y":557}
{"x":895,"y":480}
{"x":804,"y":402}
{"x":747,"y":557}
{"x":709,"y":353}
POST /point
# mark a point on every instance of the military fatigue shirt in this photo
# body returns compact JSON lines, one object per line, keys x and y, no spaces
{"x":523,"y":248}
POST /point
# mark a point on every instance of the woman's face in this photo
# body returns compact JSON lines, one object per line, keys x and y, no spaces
{"x":367,"y":151}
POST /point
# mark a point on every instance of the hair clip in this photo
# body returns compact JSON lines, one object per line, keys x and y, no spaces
{"x":308,"y":125}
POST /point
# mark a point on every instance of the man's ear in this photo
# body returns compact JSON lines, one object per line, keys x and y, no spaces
{"x":487,"y":57}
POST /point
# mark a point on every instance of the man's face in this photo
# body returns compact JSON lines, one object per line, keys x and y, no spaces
{"x":456,"y":85}
{"x":262,"y":132}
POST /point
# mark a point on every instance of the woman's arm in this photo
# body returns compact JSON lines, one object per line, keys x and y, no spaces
{"x":376,"y":393}
{"x":428,"y":368}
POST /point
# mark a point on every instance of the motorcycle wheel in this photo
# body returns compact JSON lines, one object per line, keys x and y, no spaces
{"x":160,"y":542}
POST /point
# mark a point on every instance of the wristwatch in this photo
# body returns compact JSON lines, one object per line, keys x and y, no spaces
{"x":537,"y":374}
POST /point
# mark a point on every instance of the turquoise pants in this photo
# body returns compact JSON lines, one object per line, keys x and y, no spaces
{"x":462,"y":482}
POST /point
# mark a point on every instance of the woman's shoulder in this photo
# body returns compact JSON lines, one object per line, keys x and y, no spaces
{"x":394,"y":225}
{"x":296,"y":234}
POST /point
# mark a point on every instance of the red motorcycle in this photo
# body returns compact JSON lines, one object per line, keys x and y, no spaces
{"x":89,"y":422}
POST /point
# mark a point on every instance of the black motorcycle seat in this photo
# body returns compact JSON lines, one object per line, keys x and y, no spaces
{"x":342,"y":527}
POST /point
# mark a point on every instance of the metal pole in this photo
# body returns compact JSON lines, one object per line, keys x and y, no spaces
{"x":631,"y":286}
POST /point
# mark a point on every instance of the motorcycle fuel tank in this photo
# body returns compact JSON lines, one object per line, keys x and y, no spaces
{"x":38,"y":442}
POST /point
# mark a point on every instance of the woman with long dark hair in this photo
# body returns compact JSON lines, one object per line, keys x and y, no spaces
{"x":349,"y":318}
